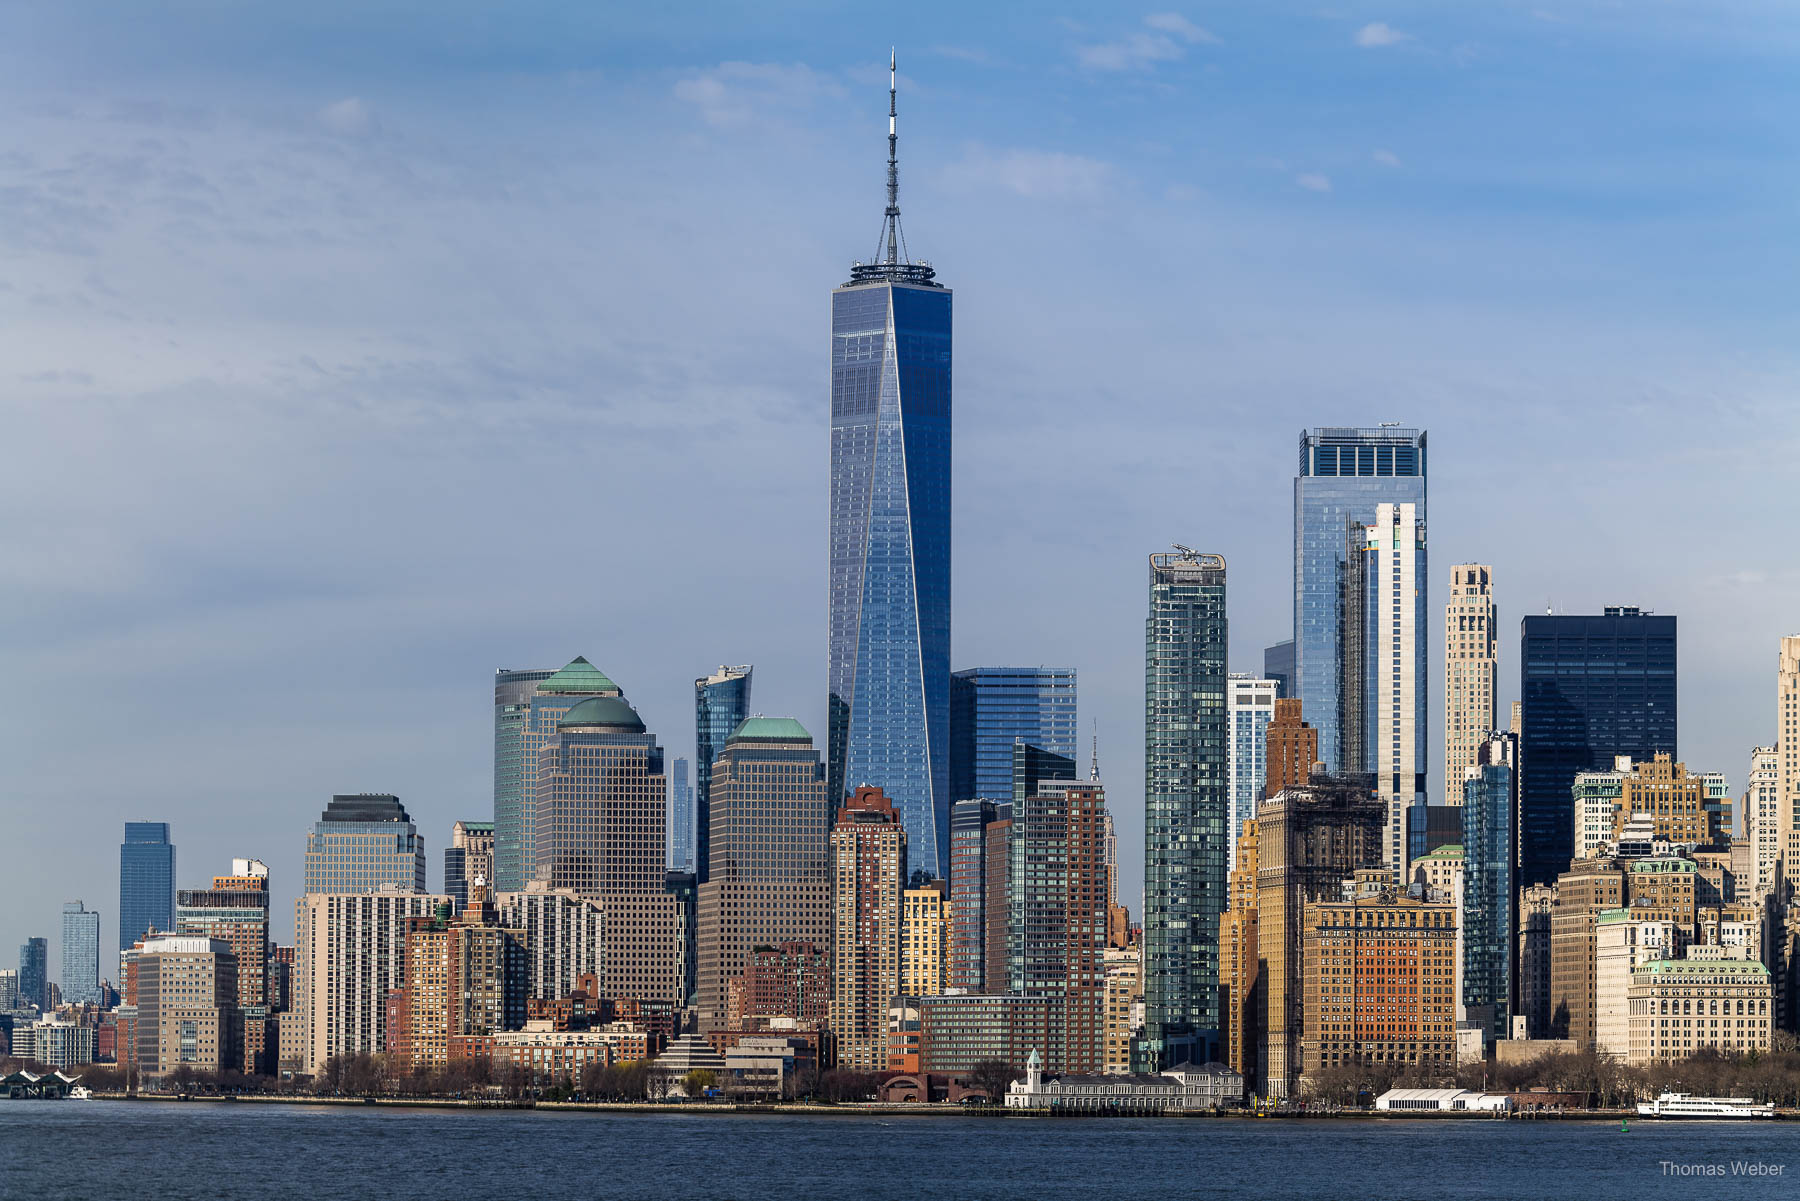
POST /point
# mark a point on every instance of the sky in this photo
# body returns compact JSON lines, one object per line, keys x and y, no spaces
{"x":351,"y":351}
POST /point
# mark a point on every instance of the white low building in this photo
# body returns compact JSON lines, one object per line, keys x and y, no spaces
{"x":1441,"y":1099}
{"x":1183,"y":1087}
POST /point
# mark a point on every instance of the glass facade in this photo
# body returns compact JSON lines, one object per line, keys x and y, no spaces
{"x":888,"y":655}
{"x":993,"y":707}
{"x":34,"y":973}
{"x":1345,"y":474}
{"x":721,"y":703}
{"x":80,"y":975}
{"x":513,"y":770}
{"x":1592,"y":688}
{"x":1251,"y":705}
{"x":146,"y":882}
{"x":362,"y":841}
{"x":1278,"y":665}
{"x":681,"y":819}
{"x":1186,"y":805}
{"x":1490,"y":919}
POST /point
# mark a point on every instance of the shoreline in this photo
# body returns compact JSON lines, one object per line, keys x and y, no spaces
{"x":876,"y":1109}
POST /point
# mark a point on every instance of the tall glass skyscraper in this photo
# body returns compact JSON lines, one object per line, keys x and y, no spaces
{"x":1251,"y":705}
{"x":513,"y":771}
{"x":362,"y":841}
{"x":888,"y":653}
{"x":721,"y":703}
{"x":681,"y":819}
{"x":1345,"y":474}
{"x":34,"y":973}
{"x":1490,"y":917}
{"x":1186,"y":805}
{"x":1592,"y":688}
{"x":80,"y":975}
{"x":993,"y":707}
{"x":146,"y":882}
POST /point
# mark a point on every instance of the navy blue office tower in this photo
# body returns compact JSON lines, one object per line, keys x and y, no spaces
{"x":146,"y":882}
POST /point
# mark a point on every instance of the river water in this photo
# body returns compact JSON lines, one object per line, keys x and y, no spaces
{"x":145,"y":1151}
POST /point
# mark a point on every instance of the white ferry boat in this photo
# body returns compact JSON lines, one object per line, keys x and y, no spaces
{"x":1684,"y":1105}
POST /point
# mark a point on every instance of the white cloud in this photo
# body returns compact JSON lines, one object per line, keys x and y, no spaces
{"x":1033,"y":174}
{"x":1141,"y":51}
{"x":1379,"y":33}
{"x":968,"y":54}
{"x":1386,"y":158}
{"x":347,"y":116}
{"x":735,"y":93}
{"x":1314,"y":182}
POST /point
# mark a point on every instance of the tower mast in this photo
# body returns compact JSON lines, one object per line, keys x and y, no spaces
{"x":893,"y":204}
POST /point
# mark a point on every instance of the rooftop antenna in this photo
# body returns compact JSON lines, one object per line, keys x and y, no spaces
{"x":893,"y":204}
{"x":1094,"y":767}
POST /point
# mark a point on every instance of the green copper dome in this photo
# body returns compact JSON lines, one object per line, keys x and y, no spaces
{"x":771,"y":729}
{"x":603,"y":711}
{"x":580,"y":676}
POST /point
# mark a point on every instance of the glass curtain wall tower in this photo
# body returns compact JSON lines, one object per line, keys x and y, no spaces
{"x":888,"y":651}
{"x":146,"y":882}
{"x":721,"y":703}
{"x":993,"y":707}
{"x":514,"y":771}
{"x":1345,"y":474}
{"x":1186,"y":805}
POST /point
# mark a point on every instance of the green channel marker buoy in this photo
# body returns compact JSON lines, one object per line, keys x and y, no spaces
{"x":1624,"y":1125}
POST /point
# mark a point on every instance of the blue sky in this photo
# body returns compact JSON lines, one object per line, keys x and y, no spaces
{"x":352,"y":351}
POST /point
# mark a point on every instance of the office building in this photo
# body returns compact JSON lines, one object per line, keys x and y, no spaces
{"x":235,"y":911}
{"x":351,"y":955}
{"x":146,"y":881}
{"x":1623,"y":943}
{"x":1278,"y":665}
{"x":1762,"y":816}
{"x":786,"y":984}
{"x":769,"y":880}
{"x":469,"y":856}
{"x":1345,"y":475}
{"x":1536,"y":903}
{"x":1592,"y":688}
{"x":80,"y":951}
{"x":1380,"y":976}
{"x":1240,"y":972}
{"x":681,"y":819}
{"x":869,"y":865}
{"x":1186,"y":805}
{"x":1594,"y":797}
{"x":1382,"y":695}
{"x":1056,"y":932}
{"x":969,"y":822}
{"x":513,"y":769}
{"x":1489,"y":921}
{"x":1471,"y":672}
{"x":925,"y":938}
{"x":1293,"y":748}
{"x":466,"y":975}
{"x":9,"y":989}
{"x":1589,"y":888}
{"x":363,"y":842}
{"x":889,"y":599}
{"x":1671,"y":803}
{"x":55,"y":1043}
{"x":600,"y":809}
{"x":1310,"y":838}
{"x":991,"y":708}
{"x":564,"y":935}
{"x":957,"y":1031}
{"x":186,"y":1006}
{"x":1250,"y":707}
{"x":1669,"y":995}
{"x":1787,"y":768}
{"x":1124,"y":1005}
{"x":721,"y":703}
{"x":34,"y":973}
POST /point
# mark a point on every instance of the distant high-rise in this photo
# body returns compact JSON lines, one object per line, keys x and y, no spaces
{"x":1787,"y":767}
{"x":1490,"y":920}
{"x":1381,"y":698}
{"x":1762,"y":816}
{"x":1186,"y":804}
{"x":681,"y":819}
{"x":1293,"y":747}
{"x":888,"y":657}
{"x":1251,"y":705}
{"x":1593,"y":687}
{"x":1345,"y":475}
{"x":234,"y":910}
{"x":1278,"y":665}
{"x":868,"y":873}
{"x":924,"y":938}
{"x":186,"y":1007}
{"x":470,"y":854}
{"x":34,"y":973}
{"x":721,"y":703}
{"x":80,"y":974}
{"x":513,"y":690}
{"x":350,"y":956}
{"x":1470,"y":672}
{"x":361,"y":842}
{"x":146,"y":882}
{"x":770,"y":880}
{"x":993,"y":707}
{"x":969,"y":821}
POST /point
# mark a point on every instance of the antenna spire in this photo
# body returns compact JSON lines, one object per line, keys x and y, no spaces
{"x":1094,"y":768}
{"x":893,"y":204}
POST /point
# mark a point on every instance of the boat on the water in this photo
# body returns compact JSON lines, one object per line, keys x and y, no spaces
{"x":81,"y":1092}
{"x":1686,"y":1105}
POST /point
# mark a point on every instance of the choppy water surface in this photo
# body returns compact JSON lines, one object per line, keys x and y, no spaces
{"x":152,"y":1151}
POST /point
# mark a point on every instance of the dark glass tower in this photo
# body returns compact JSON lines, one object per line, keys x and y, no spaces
{"x":721,"y":703}
{"x":1345,"y":473}
{"x":1186,"y":805}
{"x":146,"y":882}
{"x":993,"y":707}
{"x":1593,"y":688}
{"x":1490,"y":939}
{"x":888,"y":652}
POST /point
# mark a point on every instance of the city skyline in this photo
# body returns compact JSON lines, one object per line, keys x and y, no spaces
{"x":421,"y":743}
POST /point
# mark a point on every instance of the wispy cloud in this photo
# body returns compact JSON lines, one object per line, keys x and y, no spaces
{"x":968,"y":54}
{"x":1168,"y":40}
{"x":1033,"y":174}
{"x":735,"y":93}
{"x":1386,"y":158}
{"x":347,"y":116}
{"x":1379,"y":33}
{"x":1314,"y":182}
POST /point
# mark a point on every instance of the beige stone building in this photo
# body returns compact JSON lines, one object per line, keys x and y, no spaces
{"x":466,"y":974}
{"x":1672,"y":801}
{"x":1587,"y":889}
{"x":1623,"y":944}
{"x":924,"y":939}
{"x":187,"y":1006}
{"x":1787,"y":758}
{"x":1124,"y":1005}
{"x":1706,"y":1001}
{"x":1470,"y":670}
{"x":868,"y":866}
{"x":1762,"y":821}
{"x":351,"y":954}
{"x":1239,"y":971}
